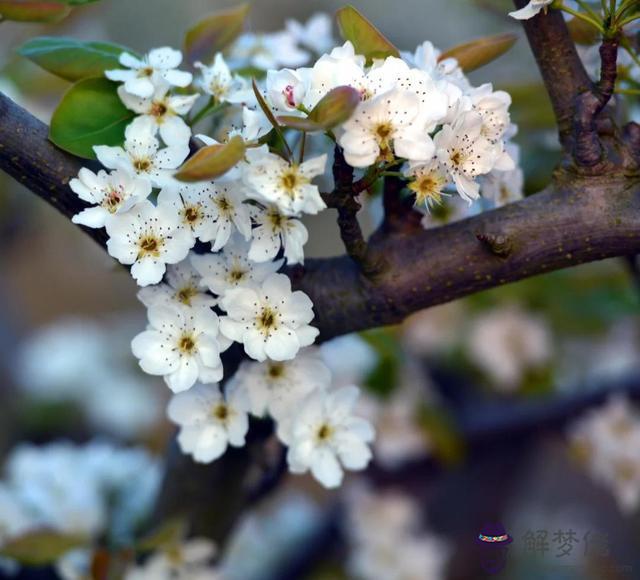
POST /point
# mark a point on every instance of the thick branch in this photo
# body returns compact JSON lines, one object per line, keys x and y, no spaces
{"x":562,"y":71}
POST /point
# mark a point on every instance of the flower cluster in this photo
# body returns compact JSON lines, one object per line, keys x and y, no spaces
{"x":606,"y":441}
{"x":96,"y":491}
{"x":207,"y":252}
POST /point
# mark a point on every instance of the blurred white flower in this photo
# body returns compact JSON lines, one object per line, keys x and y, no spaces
{"x":277,"y":230}
{"x":530,"y":10}
{"x":315,"y":34}
{"x":506,"y":343}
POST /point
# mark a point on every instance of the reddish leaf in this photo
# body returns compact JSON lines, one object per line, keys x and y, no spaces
{"x":212,"y":161}
{"x":476,"y":53}
{"x":364,"y":36}
{"x":33,"y":11}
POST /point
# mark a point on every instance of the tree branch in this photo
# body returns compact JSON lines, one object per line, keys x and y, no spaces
{"x":562,"y":70}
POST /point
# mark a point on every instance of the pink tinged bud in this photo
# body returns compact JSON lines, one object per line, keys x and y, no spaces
{"x":288,"y":95}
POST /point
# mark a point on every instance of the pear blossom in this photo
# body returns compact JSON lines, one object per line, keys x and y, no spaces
{"x":267,"y":51}
{"x":165,"y":111}
{"x":466,"y":153}
{"x":427,"y":58}
{"x":148,"y":237}
{"x":493,"y":107}
{"x":142,"y":154}
{"x":191,"y":204}
{"x":209,"y":422}
{"x":226,"y":213}
{"x":503,"y":187}
{"x":325,"y":436}
{"x":157,"y":68}
{"x":271,"y":321}
{"x":385,"y":126}
{"x":276,"y":387}
{"x":288,"y":185}
{"x":182,"y":285}
{"x":506,"y":343}
{"x":286,"y":89}
{"x":181,"y":344}
{"x":112,"y":193}
{"x":277,"y":230}
{"x":531,"y":9}
{"x":254,"y":124}
{"x":607,"y":441}
{"x":218,"y":81}
{"x":186,"y":560}
{"x":231,"y":267}
{"x":315,"y":34}
{"x":395,"y":73}
{"x":428,"y":180}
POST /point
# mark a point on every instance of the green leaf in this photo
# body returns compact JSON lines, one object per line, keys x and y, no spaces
{"x":89,"y":114}
{"x":169,"y":533}
{"x":212,"y":161}
{"x":332,"y":110}
{"x":365,"y":37}
{"x":33,"y":11}
{"x":40,"y":548}
{"x":214,"y":33}
{"x":72,"y":59}
{"x":476,"y":53}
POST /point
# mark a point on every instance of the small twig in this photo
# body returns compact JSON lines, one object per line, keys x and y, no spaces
{"x":587,"y":149}
{"x":344,"y":200}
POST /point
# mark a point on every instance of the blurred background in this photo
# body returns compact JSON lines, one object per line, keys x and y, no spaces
{"x":480,"y":404}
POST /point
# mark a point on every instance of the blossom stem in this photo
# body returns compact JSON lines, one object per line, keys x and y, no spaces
{"x":209,"y":109}
{"x":302,"y":146}
{"x":583,"y":17}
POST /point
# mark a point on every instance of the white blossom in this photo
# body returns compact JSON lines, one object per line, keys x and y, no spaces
{"x":315,"y":34}
{"x":182,"y":286}
{"x":531,"y":9}
{"x":271,"y":321}
{"x":218,"y":81}
{"x":267,"y":51}
{"x":276,"y":230}
{"x":276,"y":387}
{"x":112,"y":193}
{"x":288,"y":185}
{"x":428,"y":181}
{"x":466,"y":153}
{"x":324,"y":436}
{"x":164,"y":111}
{"x":142,"y":154}
{"x":188,"y":560}
{"x":158,"y":68}
{"x":232,"y":268}
{"x":384,"y":127}
{"x":506,"y":343}
{"x":148,"y":237}
{"x":226,"y":213}
{"x":181,"y":344}
{"x":209,"y":422}
{"x":286,"y":89}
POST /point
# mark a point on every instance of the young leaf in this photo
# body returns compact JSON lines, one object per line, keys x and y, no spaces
{"x":364,"y":36}
{"x":476,"y":53}
{"x":212,"y":161}
{"x":214,"y":33}
{"x":40,"y":548}
{"x":72,"y":59}
{"x":332,"y":110}
{"x":89,"y":114}
{"x":270,"y":116}
{"x":33,"y":11}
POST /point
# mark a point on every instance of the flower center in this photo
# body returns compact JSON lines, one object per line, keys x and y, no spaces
{"x":267,"y":319}
{"x":276,"y":220}
{"x":186,"y":294}
{"x":187,"y":344}
{"x":142,"y":165}
{"x":275,"y":370}
{"x":236,"y":275}
{"x":149,"y":246}
{"x":159,"y":109}
{"x":290,"y":181}
{"x":428,"y":189}
{"x":113,"y":200}
{"x":192,"y":214}
{"x":383,"y":134}
{"x":145,"y":72}
{"x":220,"y":412}
{"x":324,"y":433}
{"x":223,"y":205}
{"x":288,"y":95}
